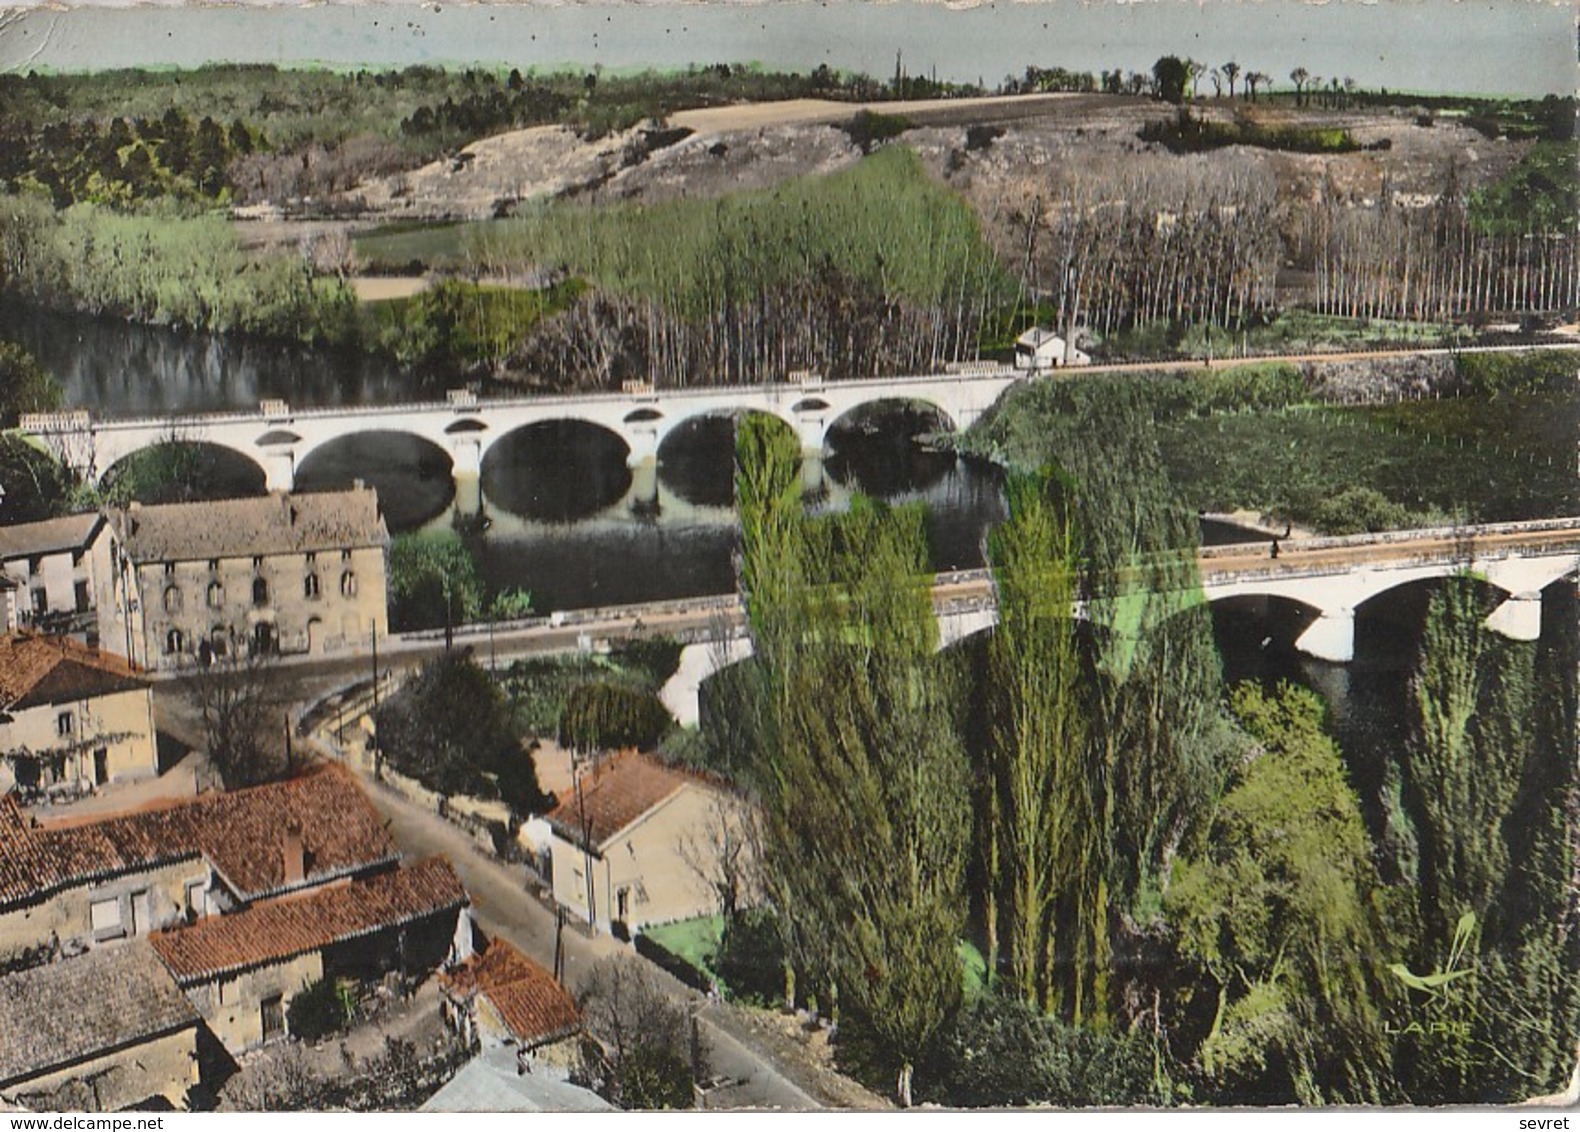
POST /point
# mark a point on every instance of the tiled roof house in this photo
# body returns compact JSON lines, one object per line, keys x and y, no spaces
{"x":503,"y":997}
{"x":283,"y":572}
{"x":249,"y":895}
{"x":103,"y":1032}
{"x":71,"y":717}
{"x":615,"y":843}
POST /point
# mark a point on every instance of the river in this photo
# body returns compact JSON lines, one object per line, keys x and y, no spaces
{"x":564,"y":522}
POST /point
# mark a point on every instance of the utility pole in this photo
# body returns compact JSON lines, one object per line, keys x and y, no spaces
{"x":378,"y":761}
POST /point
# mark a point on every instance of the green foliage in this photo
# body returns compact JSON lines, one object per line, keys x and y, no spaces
{"x":883,"y":223}
{"x":999,"y":1052}
{"x":457,"y":325}
{"x":36,"y":485}
{"x":1496,"y":375}
{"x":863,"y":779}
{"x":317,"y":1011}
{"x":451,"y":728}
{"x":1540,"y":195}
{"x":606,"y":716}
{"x":751,"y":958}
{"x":178,"y":471}
{"x":25,"y":386}
{"x":868,"y":130}
{"x":163,"y":266}
{"x":1279,"y":911}
{"x":1357,"y":510}
{"x":647,"y":1053}
{"x":1171,"y":76}
{"x":1043,"y":854}
{"x":433,"y":581}
{"x":540,"y":686}
{"x":510,"y":605}
{"x":1188,"y":133}
{"x":1471,"y":738}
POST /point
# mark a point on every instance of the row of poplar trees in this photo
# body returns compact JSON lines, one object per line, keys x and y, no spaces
{"x":1146,"y":856}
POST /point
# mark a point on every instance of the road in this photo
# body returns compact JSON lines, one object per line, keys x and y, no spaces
{"x":504,"y":906}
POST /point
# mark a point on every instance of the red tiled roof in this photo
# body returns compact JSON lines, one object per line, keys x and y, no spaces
{"x":535,"y":1007}
{"x":621,"y":790}
{"x":51,"y":670}
{"x":240,"y":833}
{"x":293,"y":925}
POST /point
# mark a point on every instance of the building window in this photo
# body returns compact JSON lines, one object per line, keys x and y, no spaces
{"x":312,"y":558}
{"x":35,"y":566}
{"x":64,"y":724}
{"x":348,"y":584}
{"x":101,"y":765}
{"x":194,"y":899}
{"x":172,"y":599}
{"x":40,"y":601}
{"x":175,"y":642}
{"x":260,"y":591}
{"x":213,"y":565}
{"x":216,"y":596}
{"x":80,"y":596}
{"x":310,"y":587}
{"x":257,"y":563}
{"x":345,"y":556}
{"x":105,"y":918}
{"x":170,"y":569}
{"x":263,"y":637}
{"x":273,"y":1017}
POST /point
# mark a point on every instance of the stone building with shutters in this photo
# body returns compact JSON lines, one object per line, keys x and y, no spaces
{"x":281,"y":573}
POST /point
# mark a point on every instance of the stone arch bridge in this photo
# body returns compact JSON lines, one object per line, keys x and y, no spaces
{"x":278,"y":439}
{"x":1331,"y":577}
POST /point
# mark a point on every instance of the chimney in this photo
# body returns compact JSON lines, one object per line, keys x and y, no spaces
{"x":293,"y":859}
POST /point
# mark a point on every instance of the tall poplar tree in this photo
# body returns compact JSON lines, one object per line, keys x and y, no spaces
{"x":865,"y":789}
{"x":1049,"y":810}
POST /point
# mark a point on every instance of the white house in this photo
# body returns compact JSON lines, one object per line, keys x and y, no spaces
{"x":634,"y":843}
{"x":1038,"y":350}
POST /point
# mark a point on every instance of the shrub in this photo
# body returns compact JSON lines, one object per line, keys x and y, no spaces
{"x":868,"y":130}
{"x":1001,"y":1052}
{"x":1359,"y":510}
{"x":751,"y":958}
{"x":317,"y":1011}
{"x":602,"y":715}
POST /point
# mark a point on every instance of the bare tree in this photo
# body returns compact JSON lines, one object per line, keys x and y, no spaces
{"x":649,"y":1052}
{"x":1231,"y":71}
{"x":1299,"y":76}
{"x":723,"y":853}
{"x":245,"y":730}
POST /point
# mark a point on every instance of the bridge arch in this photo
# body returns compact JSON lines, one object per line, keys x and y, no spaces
{"x":217,"y":470}
{"x":412,"y":473}
{"x":696,"y":455}
{"x":556,"y":469}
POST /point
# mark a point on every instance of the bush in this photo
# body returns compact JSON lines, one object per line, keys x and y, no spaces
{"x":317,"y":1011}
{"x":1001,"y":1052}
{"x":1492,"y":375}
{"x":751,"y":958}
{"x":605,"y":715}
{"x":1360,"y":510}
{"x":868,"y":130}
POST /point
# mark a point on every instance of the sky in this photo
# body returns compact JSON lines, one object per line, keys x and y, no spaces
{"x":1515,"y":47}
